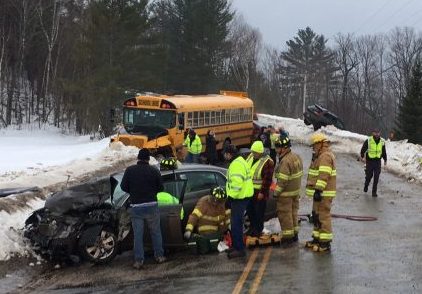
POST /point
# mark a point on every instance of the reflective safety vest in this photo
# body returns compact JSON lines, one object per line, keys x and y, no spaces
{"x":195,"y":147}
{"x":209,"y":217}
{"x":164,"y":198}
{"x":322,"y":175}
{"x":239,"y":182}
{"x":256,"y":169}
{"x":374,"y":149}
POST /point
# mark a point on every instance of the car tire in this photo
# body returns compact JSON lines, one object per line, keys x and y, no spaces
{"x":307,"y":122}
{"x":103,"y":250}
{"x":317,"y":127}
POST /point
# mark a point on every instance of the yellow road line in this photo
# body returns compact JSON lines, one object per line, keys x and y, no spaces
{"x":246,"y":271}
{"x":261,"y":271}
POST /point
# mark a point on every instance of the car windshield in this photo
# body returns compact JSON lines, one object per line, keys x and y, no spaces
{"x":137,"y":118}
{"x":119,"y":196}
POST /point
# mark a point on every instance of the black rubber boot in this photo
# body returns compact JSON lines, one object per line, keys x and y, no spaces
{"x":312,"y":243}
{"x":322,"y":247}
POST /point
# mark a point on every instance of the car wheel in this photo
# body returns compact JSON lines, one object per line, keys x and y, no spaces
{"x":317,"y":127}
{"x":102,"y":250}
{"x":307,"y":122}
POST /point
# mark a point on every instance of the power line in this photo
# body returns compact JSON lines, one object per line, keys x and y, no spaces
{"x":388,"y":19}
{"x":372,"y":16}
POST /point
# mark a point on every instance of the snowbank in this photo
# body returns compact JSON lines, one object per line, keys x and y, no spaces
{"x":11,"y":232}
{"x":403,"y":157}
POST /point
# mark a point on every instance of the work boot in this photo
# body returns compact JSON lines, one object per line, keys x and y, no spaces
{"x":374,"y":194}
{"x":322,"y":247}
{"x":236,"y":253}
{"x":365,"y":188}
{"x":312,"y":243}
{"x":160,"y":259}
{"x":138,"y":264}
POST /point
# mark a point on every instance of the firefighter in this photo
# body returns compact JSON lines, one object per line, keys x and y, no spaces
{"x":371,"y":153}
{"x":262,"y":168}
{"x":194,"y":146}
{"x":321,"y":185}
{"x":211,"y":220}
{"x":288,"y":175}
{"x":239,"y":189}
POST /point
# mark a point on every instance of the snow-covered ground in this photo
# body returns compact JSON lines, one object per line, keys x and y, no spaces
{"x":48,"y":159}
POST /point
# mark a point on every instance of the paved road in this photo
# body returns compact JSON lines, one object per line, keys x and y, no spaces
{"x":384,"y":256}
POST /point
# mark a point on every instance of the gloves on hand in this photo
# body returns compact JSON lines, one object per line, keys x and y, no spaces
{"x":317,"y":196}
{"x":187,"y":235}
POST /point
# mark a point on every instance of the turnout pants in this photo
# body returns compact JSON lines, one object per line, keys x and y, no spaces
{"x":321,"y":212}
{"x":202,"y":244}
{"x":287,"y":210}
{"x":373,"y":168}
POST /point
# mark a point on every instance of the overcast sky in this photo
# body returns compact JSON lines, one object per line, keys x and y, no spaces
{"x":279,"y":20}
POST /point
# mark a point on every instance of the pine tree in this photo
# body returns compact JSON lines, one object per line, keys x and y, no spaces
{"x":409,"y":121}
{"x":195,"y":33}
{"x":308,"y":61}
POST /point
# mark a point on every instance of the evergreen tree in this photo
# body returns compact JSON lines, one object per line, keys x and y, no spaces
{"x":308,"y":61}
{"x":195,"y":33}
{"x":111,"y":55}
{"x":409,"y":120}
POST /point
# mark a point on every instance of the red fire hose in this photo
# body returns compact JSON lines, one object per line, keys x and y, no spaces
{"x":359,"y":218}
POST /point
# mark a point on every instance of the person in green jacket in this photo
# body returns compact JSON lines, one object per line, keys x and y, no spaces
{"x":194,"y":146}
{"x":239,"y":190}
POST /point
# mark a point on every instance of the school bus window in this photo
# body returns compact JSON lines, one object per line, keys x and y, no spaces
{"x":217,"y":117}
{"x":234,"y":115}
{"x":195,"y":119}
{"x":207,"y":118}
{"x":223,"y":116}
{"x":212,"y":118}
{"x":202,"y":118}
{"x":136,"y":120}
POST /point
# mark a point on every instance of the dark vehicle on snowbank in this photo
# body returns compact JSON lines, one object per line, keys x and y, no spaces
{"x":92,"y":220}
{"x":318,"y":116}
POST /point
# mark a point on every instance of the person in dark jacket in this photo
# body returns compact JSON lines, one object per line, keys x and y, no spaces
{"x":142,"y":181}
{"x":211,"y":148}
{"x":373,"y":149}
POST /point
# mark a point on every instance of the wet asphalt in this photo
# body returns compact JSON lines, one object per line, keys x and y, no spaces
{"x":383,"y":256}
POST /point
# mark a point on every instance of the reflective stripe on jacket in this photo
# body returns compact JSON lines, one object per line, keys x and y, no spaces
{"x":209,"y":217}
{"x":288,"y":174}
{"x":374,"y":149}
{"x":239,"y":182}
{"x":195,"y":147}
{"x":256,"y":169}
{"x":322,"y":174}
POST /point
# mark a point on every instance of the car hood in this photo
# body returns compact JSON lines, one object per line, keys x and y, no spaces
{"x":79,"y":197}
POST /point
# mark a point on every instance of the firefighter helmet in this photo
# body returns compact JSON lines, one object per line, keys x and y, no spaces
{"x":318,"y":138}
{"x":168,"y":164}
{"x":219,"y":193}
{"x":283,"y":142}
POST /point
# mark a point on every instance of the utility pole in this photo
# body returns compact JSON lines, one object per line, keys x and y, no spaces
{"x":304,"y":94}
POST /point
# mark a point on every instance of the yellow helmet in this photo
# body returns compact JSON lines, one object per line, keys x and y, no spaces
{"x":168,"y":164}
{"x":318,"y":137}
{"x":257,"y":147}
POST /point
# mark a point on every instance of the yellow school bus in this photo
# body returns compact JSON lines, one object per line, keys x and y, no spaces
{"x":160,"y":122}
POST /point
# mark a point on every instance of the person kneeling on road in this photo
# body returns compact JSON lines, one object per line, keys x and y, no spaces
{"x":211,"y":220}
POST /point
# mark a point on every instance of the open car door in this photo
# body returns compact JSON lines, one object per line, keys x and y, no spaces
{"x":171,"y":215}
